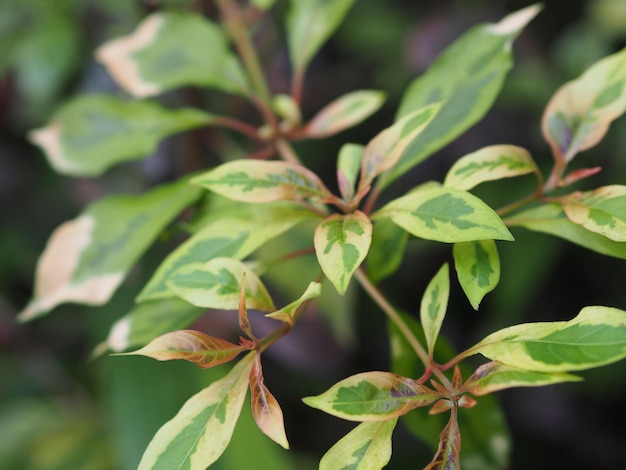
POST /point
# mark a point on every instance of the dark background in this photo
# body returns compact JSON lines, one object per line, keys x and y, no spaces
{"x":59,"y":410}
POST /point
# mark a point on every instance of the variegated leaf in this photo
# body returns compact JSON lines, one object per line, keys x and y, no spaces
{"x":198,"y":434}
{"x":597,"y":336}
{"x":309,"y":25}
{"x":373,"y":396}
{"x":246,"y":231}
{"x":466,"y":78}
{"x":150,"y":320}
{"x":203,"y":350}
{"x":265,"y":408}
{"x":257,"y":181}
{"x":348,"y":165}
{"x":551,"y":219}
{"x":341,"y":245}
{"x":343,"y":113}
{"x":157,"y":56}
{"x":495,"y":376}
{"x":581,"y":111}
{"x":217,"y":284}
{"x":489,"y":163}
{"x":366,"y":447}
{"x":433,"y":306}
{"x":478,"y":268}
{"x":445,"y":215}
{"x":602,"y":211}
{"x":448,"y":453}
{"x":93,"y":132}
{"x":87,"y":258}
{"x":288,"y":313}
{"x":384,"y":150}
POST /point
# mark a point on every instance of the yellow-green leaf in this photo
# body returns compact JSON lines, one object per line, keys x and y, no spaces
{"x":434,"y":304}
{"x":581,"y":111}
{"x":198,"y":434}
{"x":602,"y":211}
{"x":487,"y":164}
{"x":87,"y":258}
{"x":446,"y":215}
{"x":551,"y":219}
{"x":160,"y":55}
{"x":373,"y":396}
{"x":343,"y":113}
{"x":93,"y":132}
{"x":366,"y":447}
{"x":263,"y":181}
{"x":234,"y":236}
{"x":287,"y":313}
{"x":341,"y":245}
{"x":348,"y":165}
{"x":597,"y":336}
{"x":193,"y":346}
{"x":495,"y":376}
{"x":478,"y":268}
{"x":217,"y":284}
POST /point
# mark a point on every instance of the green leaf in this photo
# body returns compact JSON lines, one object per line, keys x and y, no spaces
{"x":201,"y":430}
{"x":494,"y":376}
{"x":93,"y":132}
{"x":550,"y":218}
{"x":366,"y":447}
{"x":309,"y":25}
{"x":87,"y":258}
{"x":203,"y":350}
{"x":448,"y":453}
{"x":287,"y":313}
{"x":265,"y":408}
{"x":488,"y":164}
{"x":581,"y":111}
{"x":216,"y":284}
{"x":384,"y":151}
{"x":341,"y":245}
{"x":373,"y":396}
{"x":466,"y":78}
{"x":345,"y":112}
{"x":348,"y":165}
{"x":149,"y":320}
{"x":387,"y":250}
{"x":601,"y":211}
{"x":263,"y":4}
{"x":263,"y":181}
{"x":162,"y":54}
{"x":597,"y":336}
{"x":445,"y":215}
{"x":478,"y":268}
{"x":233,"y":236}
{"x":434,"y":304}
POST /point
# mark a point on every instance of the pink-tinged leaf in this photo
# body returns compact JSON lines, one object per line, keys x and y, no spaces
{"x":433,"y":306}
{"x":448,"y":453}
{"x":341,"y":245}
{"x":289,"y":312}
{"x":581,"y":111}
{"x":193,"y":346}
{"x":265,"y":408}
{"x":244,"y":323}
{"x":263,"y":181}
{"x":494,"y":376}
{"x":201,"y":430}
{"x":366,"y":447}
{"x":385,"y":150}
{"x":601,"y":211}
{"x":345,"y":112}
{"x":373,"y":396}
{"x":489,"y":163}
{"x":441,"y":406}
{"x":579,"y":174}
{"x":467,"y":402}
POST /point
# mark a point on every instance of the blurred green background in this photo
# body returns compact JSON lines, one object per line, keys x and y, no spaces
{"x":60,"y":410}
